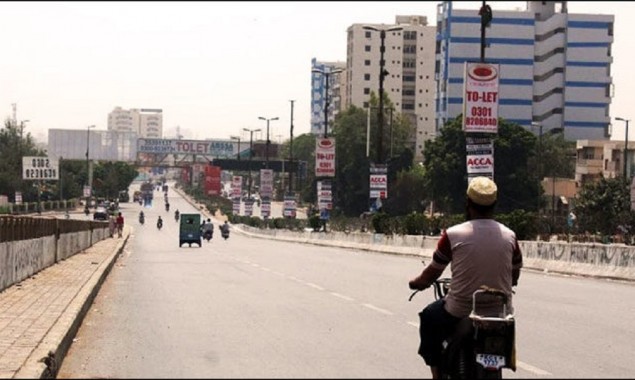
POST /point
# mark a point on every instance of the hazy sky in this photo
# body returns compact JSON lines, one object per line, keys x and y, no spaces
{"x":213,"y":67}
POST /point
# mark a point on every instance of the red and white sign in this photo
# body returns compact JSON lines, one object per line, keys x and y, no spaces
{"x":480,"y":98}
{"x":212,"y":180}
{"x":237,"y":186}
{"x":325,"y":157}
{"x":324,"y":195}
{"x":266,"y":183}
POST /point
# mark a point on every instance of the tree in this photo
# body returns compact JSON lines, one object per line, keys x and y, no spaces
{"x":112,"y":177}
{"x":407,"y":194}
{"x":303,"y":150}
{"x":603,"y":205}
{"x":446,"y":172}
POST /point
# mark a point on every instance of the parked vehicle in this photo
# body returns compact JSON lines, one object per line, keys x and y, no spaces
{"x":480,"y":346}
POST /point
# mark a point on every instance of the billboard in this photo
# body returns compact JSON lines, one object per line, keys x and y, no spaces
{"x":216,"y":148}
{"x":40,"y":168}
{"x":325,"y":157}
{"x":212,"y":180}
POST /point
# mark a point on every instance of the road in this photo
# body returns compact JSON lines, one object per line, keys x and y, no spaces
{"x":256,"y":308}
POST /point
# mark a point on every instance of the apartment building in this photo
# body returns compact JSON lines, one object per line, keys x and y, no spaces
{"x":146,"y":123}
{"x":555,"y":67}
{"x":602,"y":159}
{"x":409,"y":60}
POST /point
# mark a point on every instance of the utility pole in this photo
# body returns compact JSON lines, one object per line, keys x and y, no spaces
{"x":291,"y":151}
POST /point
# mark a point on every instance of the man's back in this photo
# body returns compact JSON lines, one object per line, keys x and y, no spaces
{"x":482,"y":252}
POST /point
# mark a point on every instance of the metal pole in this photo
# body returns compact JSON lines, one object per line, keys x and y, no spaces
{"x":251,"y":141}
{"x":291,"y":151}
{"x":626,"y":152}
{"x":391,"y":132}
{"x":483,"y":34}
{"x":267,"y":148}
{"x":326,"y":105}
{"x":380,"y":115}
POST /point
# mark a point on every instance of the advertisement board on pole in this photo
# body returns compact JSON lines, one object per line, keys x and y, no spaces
{"x":325,"y":157}
{"x":479,"y":157}
{"x":480,"y":97}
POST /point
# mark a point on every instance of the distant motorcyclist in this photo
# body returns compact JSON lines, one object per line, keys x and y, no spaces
{"x":167,"y":206}
{"x":159,"y":222}
{"x":208,"y":229}
{"x":176,"y":215}
{"x":224,"y":230}
{"x":141,"y":217}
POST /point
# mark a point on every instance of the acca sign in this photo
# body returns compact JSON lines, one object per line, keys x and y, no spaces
{"x":480,"y":98}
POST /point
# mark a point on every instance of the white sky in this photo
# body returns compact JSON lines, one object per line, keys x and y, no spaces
{"x":213,"y":67}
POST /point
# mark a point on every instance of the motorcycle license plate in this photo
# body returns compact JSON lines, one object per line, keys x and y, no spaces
{"x":489,"y":361}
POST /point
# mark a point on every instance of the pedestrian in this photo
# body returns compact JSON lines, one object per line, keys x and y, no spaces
{"x":112,"y":222}
{"x":120,"y":224}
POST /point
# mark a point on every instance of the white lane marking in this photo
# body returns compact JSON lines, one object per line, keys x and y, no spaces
{"x":347,"y":298}
{"x":415,"y":324}
{"x":373,"y":307}
{"x":266,"y":269}
{"x":532,"y":369}
{"x":278,"y":273}
{"x":318,"y":287}
{"x":294,"y":279}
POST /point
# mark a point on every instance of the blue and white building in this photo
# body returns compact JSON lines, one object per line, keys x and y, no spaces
{"x":318,"y":93}
{"x":555,"y":67}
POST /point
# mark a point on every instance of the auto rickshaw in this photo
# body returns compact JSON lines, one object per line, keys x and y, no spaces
{"x":190,"y":229}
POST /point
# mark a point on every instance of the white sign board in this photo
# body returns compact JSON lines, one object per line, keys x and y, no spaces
{"x":479,"y":157}
{"x":237,"y":186}
{"x":325,"y":157}
{"x":18,"y":198}
{"x":40,"y":168}
{"x":480,"y":97}
{"x":216,"y":148}
{"x":266,"y":183}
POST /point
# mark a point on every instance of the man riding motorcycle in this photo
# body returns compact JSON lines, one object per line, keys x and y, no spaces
{"x":176,"y":215}
{"x":483,"y":252}
{"x":159,"y":222}
{"x":207,"y":229}
{"x":141,"y":217}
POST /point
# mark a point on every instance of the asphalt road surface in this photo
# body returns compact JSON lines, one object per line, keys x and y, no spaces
{"x":256,"y":308}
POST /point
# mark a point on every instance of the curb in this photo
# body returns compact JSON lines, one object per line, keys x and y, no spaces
{"x":45,"y":360}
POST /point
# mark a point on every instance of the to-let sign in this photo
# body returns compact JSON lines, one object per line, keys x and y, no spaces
{"x":325,"y":157}
{"x":480,"y":98}
{"x":40,"y":168}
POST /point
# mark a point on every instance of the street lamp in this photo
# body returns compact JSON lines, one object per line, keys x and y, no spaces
{"x":268,"y":142}
{"x":326,"y":75}
{"x":251,"y":144}
{"x":382,"y":74}
{"x":291,"y":150}
{"x":625,"y":145}
{"x":87,"y":161}
{"x":237,"y":138}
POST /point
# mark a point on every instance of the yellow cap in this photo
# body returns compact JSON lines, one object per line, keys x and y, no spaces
{"x":482,"y":191}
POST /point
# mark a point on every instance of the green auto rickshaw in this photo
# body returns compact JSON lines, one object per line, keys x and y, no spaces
{"x":190,"y":229}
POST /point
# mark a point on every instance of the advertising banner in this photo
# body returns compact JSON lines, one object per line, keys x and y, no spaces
{"x":265,"y":208}
{"x":266,"y":183}
{"x":479,"y":157}
{"x":40,"y":168}
{"x":325,"y":157}
{"x":249,"y":207}
{"x":289,"y":210}
{"x":18,"y":198}
{"x":378,"y":182}
{"x":236,"y":206}
{"x":324,"y":195}
{"x":237,"y":187}
{"x":216,"y":148}
{"x":480,"y":97}
{"x":212,"y":180}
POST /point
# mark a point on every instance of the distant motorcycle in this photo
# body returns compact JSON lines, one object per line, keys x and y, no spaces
{"x":207,"y":235}
{"x":159,"y":224}
{"x":142,"y":219}
{"x":224,"y":231}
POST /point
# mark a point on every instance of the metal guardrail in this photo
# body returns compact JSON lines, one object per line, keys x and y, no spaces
{"x":15,"y":228}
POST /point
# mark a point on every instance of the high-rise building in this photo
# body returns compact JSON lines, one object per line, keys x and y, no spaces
{"x":146,"y":123}
{"x":336,"y":88}
{"x":409,"y":60}
{"x":555,"y":67}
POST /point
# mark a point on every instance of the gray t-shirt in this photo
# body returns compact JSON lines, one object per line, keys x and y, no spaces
{"x":482,"y":252}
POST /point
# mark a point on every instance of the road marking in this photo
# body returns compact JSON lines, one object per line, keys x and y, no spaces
{"x":294,"y":279}
{"x":373,"y":307}
{"x":278,"y":273}
{"x":415,"y":324}
{"x":266,"y":269}
{"x":532,"y":369}
{"x":318,"y":287}
{"x":255,"y":265}
{"x":347,"y":298}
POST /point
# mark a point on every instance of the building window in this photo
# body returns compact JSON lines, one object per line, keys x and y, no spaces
{"x":409,"y":78}
{"x":366,"y":91}
{"x":367,"y":48}
{"x":367,"y":34}
{"x":367,"y":62}
{"x":366,"y":76}
{"x":365,"y":104}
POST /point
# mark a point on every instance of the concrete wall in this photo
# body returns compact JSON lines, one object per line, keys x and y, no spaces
{"x":23,"y":258}
{"x":586,"y":259}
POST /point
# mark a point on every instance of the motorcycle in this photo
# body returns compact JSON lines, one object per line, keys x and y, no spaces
{"x":142,"y":219}
{"x":480,"y":346}
{"x":176,"y":215}
{"x":159,"y":224}
{"x":207,"y":235}
{"x":224,"y":232}
{"x":167,"y":207}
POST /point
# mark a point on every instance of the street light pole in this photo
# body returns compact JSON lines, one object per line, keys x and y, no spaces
{"x":87,"y":159}
{"x":251,"y":144}
{"x":237,"y":138}
{"x":268,"y":142}
{"x":625,"y":147}
{"x":382,"y":74}
{"x":291,"y":151}
{"x":327,"y":75}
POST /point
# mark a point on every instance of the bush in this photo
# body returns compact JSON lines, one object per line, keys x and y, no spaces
{"x":315,"y":223}
{"x":381,"y":223}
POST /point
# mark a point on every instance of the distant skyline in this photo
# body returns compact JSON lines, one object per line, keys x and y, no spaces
{"x":212,"y":67}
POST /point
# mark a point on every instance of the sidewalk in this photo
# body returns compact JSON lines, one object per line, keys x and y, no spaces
{"x":40,"y":316}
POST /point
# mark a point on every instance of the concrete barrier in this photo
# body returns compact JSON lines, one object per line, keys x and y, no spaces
{"x":586,"y":259}
{"x":21,"y":259}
